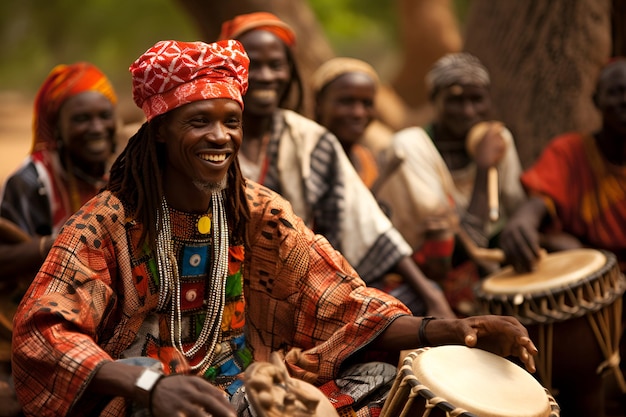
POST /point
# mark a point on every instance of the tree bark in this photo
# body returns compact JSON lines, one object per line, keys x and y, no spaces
{"x":428,"y":30}
{"x":618,"y":27}
{"x":544,"y":57}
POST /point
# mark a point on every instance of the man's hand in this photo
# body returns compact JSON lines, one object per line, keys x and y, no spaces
{"x":189,"y":396}
{"x":520,"y":237}
{"x":491,"y":148}
{"x":502,"y":335}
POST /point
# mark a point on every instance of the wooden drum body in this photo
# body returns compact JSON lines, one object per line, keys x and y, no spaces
{"x":572,"y":306}
{"x":467,"y":382}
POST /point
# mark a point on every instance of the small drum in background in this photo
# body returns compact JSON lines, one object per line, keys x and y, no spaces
{"x":572,"y":306}
{"x":466,"y":382}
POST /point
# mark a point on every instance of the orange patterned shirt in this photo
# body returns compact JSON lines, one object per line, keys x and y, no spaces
{"x":89,"y":301}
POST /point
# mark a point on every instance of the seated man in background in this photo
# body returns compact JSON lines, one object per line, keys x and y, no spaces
{"x":74,"y":128}
{"x":577,"y":198}
{"x":441,"y":187}
{"x":577,"y":186}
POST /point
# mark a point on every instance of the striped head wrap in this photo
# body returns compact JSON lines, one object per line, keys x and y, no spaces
{"x":64,"y":82}
{"x":173,"y":73}
{"x":459,"y":68}
{"x":234,"y":28}
{"x":336,"y":67}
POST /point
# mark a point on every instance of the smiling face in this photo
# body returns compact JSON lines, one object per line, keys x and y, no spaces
{"x":346,"y":106}
{"x":460,"y":107}
{"x":86,"y":125}
{"x":201,"y":140}
{"x":269,"y":74}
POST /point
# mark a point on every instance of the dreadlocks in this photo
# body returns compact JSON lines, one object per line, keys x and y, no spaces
{"x":136,"y":180}
{"x":293,"y":95}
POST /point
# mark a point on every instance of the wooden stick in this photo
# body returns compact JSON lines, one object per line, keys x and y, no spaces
{"x":475,"y":135}
{"x":492,"y":194}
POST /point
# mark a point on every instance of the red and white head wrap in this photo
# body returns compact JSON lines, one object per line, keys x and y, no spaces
{"x":173,"y":73}
{"x":234,"y":28}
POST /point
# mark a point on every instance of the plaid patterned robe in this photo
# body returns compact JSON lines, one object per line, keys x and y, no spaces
{"x":87,"y":304}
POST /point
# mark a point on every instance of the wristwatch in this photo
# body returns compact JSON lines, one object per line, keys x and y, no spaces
{"x":145,"y":383}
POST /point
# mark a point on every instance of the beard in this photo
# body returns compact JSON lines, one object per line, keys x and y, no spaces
{"x":210,"y":188}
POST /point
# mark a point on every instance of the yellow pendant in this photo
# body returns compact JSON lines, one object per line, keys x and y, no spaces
{"x":204,"y":225}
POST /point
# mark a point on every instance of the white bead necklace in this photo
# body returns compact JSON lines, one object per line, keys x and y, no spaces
{"x":170,"y":283}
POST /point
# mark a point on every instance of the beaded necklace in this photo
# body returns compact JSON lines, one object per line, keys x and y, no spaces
{"x":169,"y":293}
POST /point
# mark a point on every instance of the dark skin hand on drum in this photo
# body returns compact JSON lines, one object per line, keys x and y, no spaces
{"x":521,"y":239}
{"x":172,"y":396}
{"x":504,"y":336}
{"x":184,"y":396}
{"x":501,"y":335}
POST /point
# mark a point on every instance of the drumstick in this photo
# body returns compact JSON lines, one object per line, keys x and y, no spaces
{"x":475,"y":135}
{"x":492,"y":193}
{"x":11,"y":233}
{"x":482,"y":255}
{"x":476,"y":252}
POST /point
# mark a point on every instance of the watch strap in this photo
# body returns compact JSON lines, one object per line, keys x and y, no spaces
{"x":145,"y":384}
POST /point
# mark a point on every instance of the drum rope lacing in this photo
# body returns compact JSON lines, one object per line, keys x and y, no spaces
{"x":407,"y":381}
{"x":598,"y":297}
{"x":435,"y":401}
{"x":589,"y":296}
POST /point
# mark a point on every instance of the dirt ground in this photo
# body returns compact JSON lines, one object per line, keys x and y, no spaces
{"x":15,"y":130}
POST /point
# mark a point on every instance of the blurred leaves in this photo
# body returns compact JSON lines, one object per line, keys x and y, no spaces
{"x":36,"y":35}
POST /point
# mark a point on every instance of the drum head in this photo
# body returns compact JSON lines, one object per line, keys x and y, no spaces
{"x":556,"y":270}
{"x":480,"y":382}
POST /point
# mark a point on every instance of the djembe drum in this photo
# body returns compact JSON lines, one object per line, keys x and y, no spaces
{"x":571,"y":305}
{"x":465,"y":382}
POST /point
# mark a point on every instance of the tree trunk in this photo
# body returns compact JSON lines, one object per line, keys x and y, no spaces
{"x":428,"y":30}
{"x":544,"y":58}
{"x":618,"y":27}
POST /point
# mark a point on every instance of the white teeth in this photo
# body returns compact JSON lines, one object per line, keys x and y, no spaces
{"x":214,"y":158}
{"x":264,"y":94}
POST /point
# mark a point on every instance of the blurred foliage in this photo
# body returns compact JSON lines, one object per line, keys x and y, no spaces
{"x":346,"y":21}
{"x":35,"y":35}
{"x":367,"y":29}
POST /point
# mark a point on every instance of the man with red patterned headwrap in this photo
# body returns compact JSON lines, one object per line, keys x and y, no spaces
{"x":74,"y":128}
{"x":181,"y":267}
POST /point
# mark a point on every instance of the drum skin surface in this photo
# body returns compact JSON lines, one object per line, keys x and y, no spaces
{"x":571,"y":305}
{"x":565,"y":285}
{"x":557,"y":270}
{"x":481,"y":382}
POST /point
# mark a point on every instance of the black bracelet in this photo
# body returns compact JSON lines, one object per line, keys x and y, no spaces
{"x":423,"y":340}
